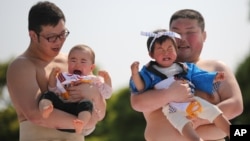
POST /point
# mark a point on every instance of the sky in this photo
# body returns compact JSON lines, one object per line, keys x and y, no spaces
{"x":112,"y":28}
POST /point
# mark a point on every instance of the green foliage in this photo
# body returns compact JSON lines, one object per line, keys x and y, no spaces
{"x":242,"y":76}
{"x":9,"y":125}
{"x":3,"y":70}
{"x":121,"y":122}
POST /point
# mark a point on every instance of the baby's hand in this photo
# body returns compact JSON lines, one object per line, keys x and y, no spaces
{"x":135,"y":67}
{"x":106,"y":77}
{"x":220,"y":76}
{"x":52,"y":77}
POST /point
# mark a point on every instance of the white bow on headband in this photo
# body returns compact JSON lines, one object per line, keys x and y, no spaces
{"x":159,"y":34}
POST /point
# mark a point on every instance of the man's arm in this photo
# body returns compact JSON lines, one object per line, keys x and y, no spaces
{"x":24,"y":92}
{"x":151,"y":100}
{"x":135,"y":76}
{"x":231,"y":97}
{"x":228,"y":98}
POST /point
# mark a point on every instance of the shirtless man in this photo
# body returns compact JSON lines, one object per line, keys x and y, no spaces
{"x":190,"y":25}
{"x":27,"y":79}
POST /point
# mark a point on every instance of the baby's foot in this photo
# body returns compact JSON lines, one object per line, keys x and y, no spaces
{"x":47,"y":110}
{"x":78,"y":124}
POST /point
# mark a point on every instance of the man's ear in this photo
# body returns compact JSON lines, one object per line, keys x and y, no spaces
{"x":204,"y":35}
{"x":33,"y":35}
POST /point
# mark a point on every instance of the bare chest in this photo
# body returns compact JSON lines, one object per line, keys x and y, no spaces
{"x":43,"y":72}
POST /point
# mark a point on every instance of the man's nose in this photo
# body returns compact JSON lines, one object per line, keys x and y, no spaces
{"x":181,"y":42}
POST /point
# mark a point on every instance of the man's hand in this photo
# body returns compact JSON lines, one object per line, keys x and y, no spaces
{"x":82,"y":91}
{"x":180,"y":92}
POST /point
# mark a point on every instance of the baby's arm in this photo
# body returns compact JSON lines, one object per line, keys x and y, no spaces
{"x":139,"y":84}
{"x":53,"y":80}
{"x":106,"y":77}
{"x":55,"y":85}
{"x":204,"y":80}
{"x":52,"y":77}
{"x":105,"y":87}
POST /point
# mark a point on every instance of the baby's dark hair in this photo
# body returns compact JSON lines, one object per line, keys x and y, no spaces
{"x":159,"y":40}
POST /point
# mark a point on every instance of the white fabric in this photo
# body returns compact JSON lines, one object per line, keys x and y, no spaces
{"x":65,"y":79}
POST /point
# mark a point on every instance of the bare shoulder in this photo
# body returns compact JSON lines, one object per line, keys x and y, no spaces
{"x":19,"y":69}
{"x":212,"y":65}
{"x":61,"y":57}
{"x":228,"y":87}
{"x":20,"y":63}
{"x":60,"y":61}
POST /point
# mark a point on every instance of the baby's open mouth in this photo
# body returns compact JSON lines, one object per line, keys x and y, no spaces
{"x":77,"y":72}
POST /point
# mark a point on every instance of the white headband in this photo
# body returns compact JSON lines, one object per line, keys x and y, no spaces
{"x":159,"y":34}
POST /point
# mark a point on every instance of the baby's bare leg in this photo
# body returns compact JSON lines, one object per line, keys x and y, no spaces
{"x":189,"y":132}
{"x":46,"y":107}
{"x":222,"y":122}
{"x":83,"y":119}
{"x":85,"y":108}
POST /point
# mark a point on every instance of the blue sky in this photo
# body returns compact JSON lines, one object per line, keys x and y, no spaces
{"x":112,"y":28}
